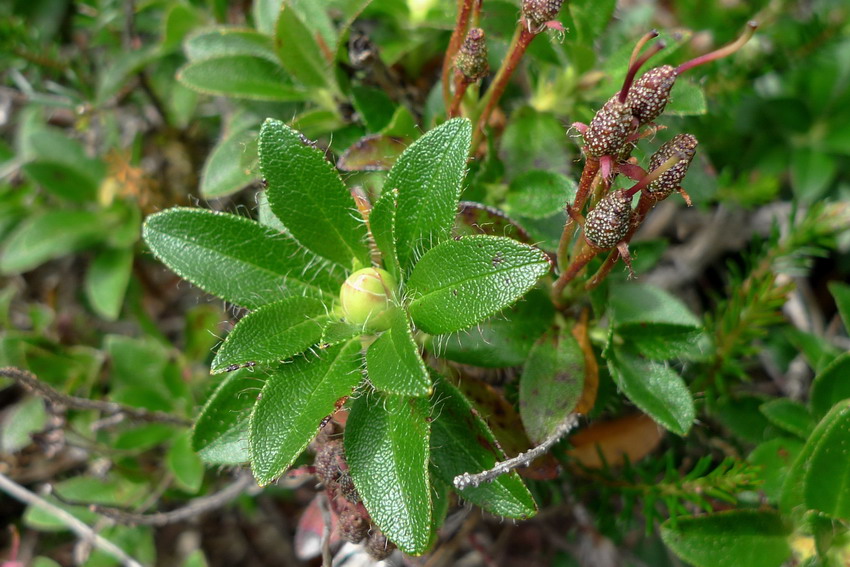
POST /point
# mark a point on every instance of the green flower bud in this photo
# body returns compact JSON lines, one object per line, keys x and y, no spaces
{"x":366,"y":296}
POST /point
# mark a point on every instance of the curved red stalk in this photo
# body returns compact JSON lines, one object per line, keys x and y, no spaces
{"x":724,"y":51}
{"x":635,"y":65}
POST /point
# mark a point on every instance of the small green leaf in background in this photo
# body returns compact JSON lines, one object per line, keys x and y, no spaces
{"x":20,"y":421}
{"x":461,"y":282}
{"x":49,"y":235}
{"x":841,"y":293}
{"x":307,"y":195}
{"x":337,"y":331}
{"x":295,"y":399}
{"x":538,"y":194}
{"x":826,"y":481}
{"x":535,"y":140}
{"x":377,"y":152}
{"x":551,"y":383}
{"x":386,"y":445}
{"x":227,"y":41}
{"x":687,"y":99}
{"x":503,"y":340}
{"x":382,"y":224}
{"x":462,"y":442}
{"x":240,"y":76}
{"x":811,"y":173}
{"x":830,"y":386}
{"x":656,"y":389}
{"x":223,"y":171}
{"x":273,"y":333}
{"x":775,"y":457}
{"x":233,"y":257}
{"x":393,"y":362}
{"x":185,"y":465}
{"x":298,"y":51}
{"x":428,"y":177}
{"x":220,"y":435}
{"x":375,"y":107}
{"x":59,"y":163}
{"x":107,"y":279}
{"x":789,"y":415}
{"x":729,"y":539}
{"x":179,"y":21}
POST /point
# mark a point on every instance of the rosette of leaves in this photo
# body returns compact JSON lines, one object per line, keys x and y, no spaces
{"x":409,"y":431}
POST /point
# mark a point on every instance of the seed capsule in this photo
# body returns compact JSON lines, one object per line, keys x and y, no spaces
{"x":538,"y":12}
{"x":608,"y":222}
{"x":684,"y":145}
{"x":609,"y":129}
{"x":471,"y":60}
{"x":651,"y":93}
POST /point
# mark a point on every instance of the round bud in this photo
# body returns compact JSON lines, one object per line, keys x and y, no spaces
{"x":352,"y":526}
{"x":682,"y":144}
{"x":608,"y":222}
{"x":609,"y":129}
{"x":378,"y":546}
{"x":538,"y":12}
{"x":366,"y":296}
{"x":650,"y":94}
{"x":471,"y":60}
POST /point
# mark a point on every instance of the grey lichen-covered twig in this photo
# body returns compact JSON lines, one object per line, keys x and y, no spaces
{"x":30,"y":382}
{"x":523,"y":459}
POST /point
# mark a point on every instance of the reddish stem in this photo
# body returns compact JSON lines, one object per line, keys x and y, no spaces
{"x":724,"y":51}
{"x":461,"y":84}
{"x":635,"y":66}
{"x":464,"y":8}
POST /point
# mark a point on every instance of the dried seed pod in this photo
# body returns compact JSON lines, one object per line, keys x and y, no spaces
{"x":538,"y":12}
{"x":327,"y":463}
{"x":471,"y":60}
{"x":378,"y":546}
{"x":353,"y":526}
{"x":651,"y":93}
{"x":346,"y":487}
{"x":609,"y":129}
{"x":682,"y":145}
{"x":608,"y":222}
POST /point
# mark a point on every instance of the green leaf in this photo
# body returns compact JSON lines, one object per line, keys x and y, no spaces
{"x":63,"y":181}
{"x":375,"y":107}
{"x":337,"y":331}
{"x":393,"y":362}
{"x":461,"y":282}
{"x":503,"y":340}
{"x":656,"y":389}
{"x":841,"y":293}
{"x":298,"y":51}
{"x":811,"y":173}
{"x":382,"y":220}
{"x":224,"y":172}
{"x":538,"y":194}
{"x":830,"y":386}
{"x":729,"y":539}
{"x":687,"y":99}
{"x":428,"y":177}
{"x":826,"y":480}
{"x":235,"y":258}
{"x":49,"y":235}
{"x":551,"y":384}
{"x":272,"y":333}
{"x":307,"y":195}
{"x":775,"y":458}
{"x":220,"y":435}
{"x":535,"y":140}
{"x":789,"y":415}
{"x":179,"y":21}
{"x":461,"y":442}
{"x":185,"y":465}
{"x":386,"y":444}
{"x":107,"y":279}
{"x":229,"y":41}
{"x":377,"y":152}
{"x":240,"y":76}
{"x":265,"y":14}
{"x":293,"y":403}
{"x":20,"y":421}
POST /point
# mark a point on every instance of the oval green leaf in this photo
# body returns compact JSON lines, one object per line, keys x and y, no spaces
{"x":386,"y":444}
{"x":307,"y":195}
{"x":551,"y":384}
{"x":229,"y":41}
{"x":830,"y":386}
{"x":240,"y":76}
{"x":538,"y":194}
{"x":428,"y":177}
{"x":729,"y":539}
{"x":826,"y":481}
{"x":220,"y":435}
{"x":393,"y":362}
{"x":272,"y":333}
{"x":235,"y":258}
{"x":293,"y":403}
{"x":461,"y":282}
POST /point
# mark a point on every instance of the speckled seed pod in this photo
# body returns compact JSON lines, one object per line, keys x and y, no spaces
{"x":346,"y":487}
{"x":609,"y":129}
{"x":538,"y":12}
{"x":352,"y":526}
{"x":471,"y":60}
{"x":327,"y":466}
{"x":608,"y":222}
{"x":378,"y":546}
{"x":651,"y":93}
{"x":670,"y":180}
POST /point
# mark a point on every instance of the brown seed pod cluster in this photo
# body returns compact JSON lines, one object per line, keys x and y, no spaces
{"x":471,"y":60}
{"x":538,"y":12}
{"x":608,"y":222}
{"x":683,"y":145}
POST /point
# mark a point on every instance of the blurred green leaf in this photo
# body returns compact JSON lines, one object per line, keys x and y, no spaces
{"x":185,"y":465}
{"x":775,"y":458}
{"x":811,"y":173}
{"x":789,"y":415}
{"x":220,"y":435}
{"x":298,"y":51}
{"x":240,"y":76}
{"x":841,"y":293}
{"x":686,"y":99}
{"x":107,"y":279}
{"x":226,"y":41}
{"x":19,"y":422}
{"x":830,"y":386}
{"x":538,"y":194}
{"x":827,"y":468}
{"x":223,"y":171}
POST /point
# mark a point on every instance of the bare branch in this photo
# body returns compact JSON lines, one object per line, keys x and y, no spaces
{"x":466,"y":479}
{"x":29,"y":381}
{"x":81,"y":529}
